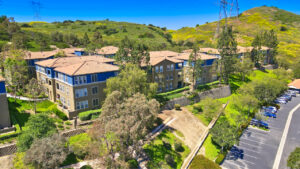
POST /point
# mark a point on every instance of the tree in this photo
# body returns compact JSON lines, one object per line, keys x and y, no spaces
{"x":86,"y":39}
{"x":35,"y":89}
{"x":123,"y":123}
{"x":256,"y":54}
{"x":47,"y":152}
{"x":15,"y":70}
{"x":270,"y":40}
{"x":57,"y":37}
{"x":227,"y":46}
{"x":211,"y":107}
{"x":130,"y":81}
{"x":296,"y":70}
{"x":224,"y":135}
{"x":132,"y":52}
{"x":245,"y":104}
{"x":19,"y":41}
{"x":38,"y":126}
{"x":195,"y":67}
{"x":244,"y":67}
{"x":97,"y":38}
{"x":294,"y":159}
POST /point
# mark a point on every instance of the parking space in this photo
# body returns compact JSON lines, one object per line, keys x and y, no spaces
{"x":257,"y":148}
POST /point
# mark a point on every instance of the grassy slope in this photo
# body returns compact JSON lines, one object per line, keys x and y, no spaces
{"x":79,"y":28}
{"x":249,"y":24}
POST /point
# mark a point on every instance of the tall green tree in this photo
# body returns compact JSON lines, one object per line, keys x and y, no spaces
{"x":256,"y":53}
{"x":244,"y":67}
{"x":47,"y":153}
{"x":195,"y":67}
{"x":35,"y":89}
{"x":97,"y":38}
{"x":211,"y":107}
{"x":227,"y":46}
{"x":38,"y":126}
{"x":132,"y":52}
{"x":270,"y":40}
{"x":16,"y":70}
{"x":224,"y":135}
{"x":123,"y":123}
{"x":131,"y":80}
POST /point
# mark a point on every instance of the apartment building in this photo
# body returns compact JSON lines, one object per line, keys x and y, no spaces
{"x":33,"y":57}
{"x":208,"y":73}
{"x":76,"y":83}
{"x":165,"y":70}
{"x":4,"y":111}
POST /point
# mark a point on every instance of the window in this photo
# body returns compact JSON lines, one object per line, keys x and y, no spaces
{"x":57,"y":86}
{"x":171,"y":86}
{"x":167,"y":77}
{"x":159,"y":88}
{"x":94,"y":77}
{"x":156,"y":69}
{"x":95,"y":102}
{"x":94,"y":90}
{"x":81,"y":92}
{"x":171,"y":77}
{"x":156,"y":78}
{"x":167,"y":87}
{"x":80,"y":79}
{"x":168,"y":67}
{"x":82,"y":105}
{"x":49,"y":82}
{"x":161,"y":69}
{"x":172,"y":67}
{"x":48,"y":72}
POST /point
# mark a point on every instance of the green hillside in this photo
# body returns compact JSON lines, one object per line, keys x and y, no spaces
{"x":251,"y":22}
{"x":112,"y":32}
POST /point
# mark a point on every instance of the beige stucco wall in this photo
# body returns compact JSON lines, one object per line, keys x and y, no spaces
{"x":4,"y":112}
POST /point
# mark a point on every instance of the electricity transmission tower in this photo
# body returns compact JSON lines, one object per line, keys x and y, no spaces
{"x":36,"y":6}
{"x":228,"y":9}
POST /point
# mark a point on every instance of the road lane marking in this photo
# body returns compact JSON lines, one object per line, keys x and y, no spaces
{"x":283,"y":138}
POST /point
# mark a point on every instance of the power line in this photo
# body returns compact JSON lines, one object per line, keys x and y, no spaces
{"x":36,"y":6}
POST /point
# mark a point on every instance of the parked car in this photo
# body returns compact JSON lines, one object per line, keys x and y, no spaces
{"x":272,"y":108}
{"x":259,"y":123}
{"x":280,"y":101}
{"x":270,"y":111}
{"x":268,"y":114}
{"x":287,"y":96}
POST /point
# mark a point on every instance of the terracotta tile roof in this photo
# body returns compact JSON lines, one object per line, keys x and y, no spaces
{"x":87,"y":67}
{"x":162,"y":53}
{"x":295,"y":84}
{"x":40,"y":55}
{"x":1,"y":79}
{"x":186,"y":55}
{"x":71,"y":51}
{"x":209,"y":50}
{"x":241,"y":49}
{"x":66,"y":61}
{"x":107,"y":50}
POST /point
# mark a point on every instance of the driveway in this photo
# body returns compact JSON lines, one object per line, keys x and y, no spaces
{"x":260,"y":147}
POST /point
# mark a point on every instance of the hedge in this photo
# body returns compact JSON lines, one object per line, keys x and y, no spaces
{"x":200,"y":162}
{"x":220,"y":158}
{"x":87,"y":115}
{"x":175,"y":91}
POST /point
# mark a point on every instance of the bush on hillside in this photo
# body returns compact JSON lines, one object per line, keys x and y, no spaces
{"x":79,"y":144}
{"x":177,"y":106}
{"x":200,"y":162}
{"x":178,"y":147}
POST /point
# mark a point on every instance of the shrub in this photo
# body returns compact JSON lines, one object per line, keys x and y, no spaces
{"x":178,"y":147}
{"x":133,"y":164}
{"x":146,"y":35}
{"x":110,"y":31}
{"x":198,"y":107}
{"x":170,"y":160}
{"x":177,"y":106}
{"x":200,"y":162}
{"x":68,"y":123}
{"x":18,"y":162}
{"x":86,"y":167}
{"x":59,"y":114}
{"x":87,"y":115}
{"x":167,"y":145}
{"x":220,"y":158}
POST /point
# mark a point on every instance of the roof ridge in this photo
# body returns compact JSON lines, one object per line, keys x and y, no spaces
{"x":79,"y":67}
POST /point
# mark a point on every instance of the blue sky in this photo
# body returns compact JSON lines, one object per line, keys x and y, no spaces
{"x":172,"y":14}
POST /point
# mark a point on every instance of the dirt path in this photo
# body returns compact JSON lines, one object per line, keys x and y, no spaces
{"x":189,"y":125}
{"x":6,"y":162}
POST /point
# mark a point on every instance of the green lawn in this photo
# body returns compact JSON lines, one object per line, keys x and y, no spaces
{"x":211,"y":150}
{"x":165,"y":144}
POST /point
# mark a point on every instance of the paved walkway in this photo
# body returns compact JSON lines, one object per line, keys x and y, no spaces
{"x":24,"y":98}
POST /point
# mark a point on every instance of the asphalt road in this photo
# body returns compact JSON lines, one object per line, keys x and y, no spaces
{"x":260,"y":147}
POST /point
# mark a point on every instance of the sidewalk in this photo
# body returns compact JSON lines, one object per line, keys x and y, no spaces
{"x":25,"y":98}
